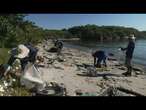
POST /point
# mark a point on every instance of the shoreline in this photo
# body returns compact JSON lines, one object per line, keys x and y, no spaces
{"x":69,"y":71}
{"x":138,"y":58}
{"x":133,"y":63}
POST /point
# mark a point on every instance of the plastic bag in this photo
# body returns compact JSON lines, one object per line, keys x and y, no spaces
{"x":32,"y":77}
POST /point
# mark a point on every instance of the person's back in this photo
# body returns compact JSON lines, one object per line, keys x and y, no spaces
{"x":32,"y":53}
{"x":99,"y":54}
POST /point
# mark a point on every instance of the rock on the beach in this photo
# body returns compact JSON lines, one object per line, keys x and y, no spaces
{"x":112,"y":59}
{"x":122,"y":68}
{"x":111,"y":54}
{"x":137,"y":69}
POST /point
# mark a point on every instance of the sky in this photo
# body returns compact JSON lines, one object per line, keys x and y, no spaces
{"x":60,"y":21}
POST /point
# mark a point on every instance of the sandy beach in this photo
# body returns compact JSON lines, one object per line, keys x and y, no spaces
{"x":69,"y":69}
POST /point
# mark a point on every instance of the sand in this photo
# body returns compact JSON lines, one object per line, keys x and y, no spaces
{"x":67,"y":71}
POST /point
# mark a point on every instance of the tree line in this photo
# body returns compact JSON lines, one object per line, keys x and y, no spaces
{"x":105,"y":33}
{"x":14,"y":29}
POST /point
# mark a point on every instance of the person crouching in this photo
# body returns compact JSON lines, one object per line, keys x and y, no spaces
{"x":25,"y":53}
{"x":99,"y":56}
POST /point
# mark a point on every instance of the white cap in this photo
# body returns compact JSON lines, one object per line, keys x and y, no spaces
{"x":132,"y":37}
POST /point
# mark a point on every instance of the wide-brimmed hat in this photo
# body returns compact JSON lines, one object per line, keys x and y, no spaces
{"x":24,"y":51}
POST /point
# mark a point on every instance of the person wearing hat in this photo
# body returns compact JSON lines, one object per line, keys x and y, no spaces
{"x":129,"y":54}
{"x":25,"y":52}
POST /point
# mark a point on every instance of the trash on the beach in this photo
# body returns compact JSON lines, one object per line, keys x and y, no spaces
{"x":118,"y":64}
{"x":111,"y":54}
{"x":138,"y":71}
{"x":119,"y":91}
{"x":40,"y":59}
{"x":50,"y":61}
{"x":91,"y":71}
{"x":61,"y":59}
{"x":78,"y":92}
{"x":105,"y":77}
{"x":52,"y":89}
{"x":122,"y":68}
{"x":112,"y":59}
{"x":31,"y":77}
{"x":53,"y":49}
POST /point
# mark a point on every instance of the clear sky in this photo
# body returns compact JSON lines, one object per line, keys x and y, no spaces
{"x":59,"y":21}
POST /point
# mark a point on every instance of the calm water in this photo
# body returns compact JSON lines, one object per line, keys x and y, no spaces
{"x":112,"y":47}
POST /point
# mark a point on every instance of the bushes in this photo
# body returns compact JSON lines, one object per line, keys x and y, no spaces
{"x":4,"y":56}
{"x":15,"y":30}
{"x":105,"y":33}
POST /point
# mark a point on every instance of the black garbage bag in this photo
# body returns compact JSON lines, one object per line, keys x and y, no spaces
{"x":54,"y":90}
{"x":53,"y":49}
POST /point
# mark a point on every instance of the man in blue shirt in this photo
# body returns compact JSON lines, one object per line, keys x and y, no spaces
{"x":129,"y":54}
{"x":99,"y":56}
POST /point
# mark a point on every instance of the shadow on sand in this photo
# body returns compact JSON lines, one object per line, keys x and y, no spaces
{"x":101,"y":75}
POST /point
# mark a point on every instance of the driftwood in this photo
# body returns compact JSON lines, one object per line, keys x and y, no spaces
{"x":119,"y":91}
{"x":129,"y":91}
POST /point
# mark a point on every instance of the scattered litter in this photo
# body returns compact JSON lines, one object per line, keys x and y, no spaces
{"x":52,"y":89}
{"x":119,"y":91}
{"x":111,"y":54}
{"x":112,"y":59}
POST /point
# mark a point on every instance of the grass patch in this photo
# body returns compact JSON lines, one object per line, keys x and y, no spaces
{"x":4,"y":56}
{"x":15,"y":89}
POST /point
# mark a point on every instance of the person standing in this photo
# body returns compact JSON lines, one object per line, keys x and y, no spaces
{"x":129,"y":55}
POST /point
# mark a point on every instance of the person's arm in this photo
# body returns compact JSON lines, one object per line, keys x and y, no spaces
{"x":123,"y":49}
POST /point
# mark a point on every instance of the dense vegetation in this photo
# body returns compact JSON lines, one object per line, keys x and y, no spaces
{"x":58,"y":34}
{"x":104,"y":33}
{"x":14,"y":29}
